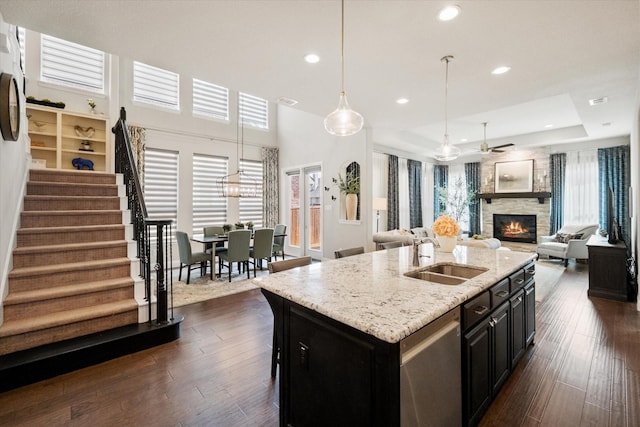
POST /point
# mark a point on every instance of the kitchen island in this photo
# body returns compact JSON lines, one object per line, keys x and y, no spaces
{"x":341,"y":324}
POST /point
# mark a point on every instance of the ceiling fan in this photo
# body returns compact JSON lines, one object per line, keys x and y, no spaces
{"x":484,"y":147}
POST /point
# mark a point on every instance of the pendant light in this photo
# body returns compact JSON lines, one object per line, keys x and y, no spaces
{"x":447,"y":151}
{"x":238,"y":184}
{"x":343,"y":121}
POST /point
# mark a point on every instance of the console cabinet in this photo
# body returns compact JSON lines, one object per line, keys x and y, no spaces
{"x":58,"y":137}
{"x":607,"y":269}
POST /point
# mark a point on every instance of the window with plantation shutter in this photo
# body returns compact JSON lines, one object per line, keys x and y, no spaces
{"x":156,"y":86}
{"x":209,"y":207}
{"x":210,"y":100}
{"x":251,"y":207}
{"x":71,"y":64}
{"x":161,"y":185}
{"x":253,"y":111}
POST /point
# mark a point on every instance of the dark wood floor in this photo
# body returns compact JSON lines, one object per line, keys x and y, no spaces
{"x":583,"y":370}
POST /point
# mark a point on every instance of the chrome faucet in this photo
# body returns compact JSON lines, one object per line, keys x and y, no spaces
{"x":416,"y":251}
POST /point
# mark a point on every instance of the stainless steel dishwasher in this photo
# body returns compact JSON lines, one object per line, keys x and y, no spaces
{"x":430,"y":374}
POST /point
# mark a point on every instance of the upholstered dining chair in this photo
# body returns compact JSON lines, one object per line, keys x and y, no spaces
{"x":214,"y":230}
{"x":276,"y":306}
{"x":189,"y":258}
{"x":391,"y":245}
{"x":278,"y":240}
{"x":349,"y":252}
{"x":262,"y":247}
{"x":237,"y":251}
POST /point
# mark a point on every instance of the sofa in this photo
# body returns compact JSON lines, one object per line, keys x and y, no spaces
{"x":425,"y":234}
{"x":569,"y":242}
{"x":405,"y":236}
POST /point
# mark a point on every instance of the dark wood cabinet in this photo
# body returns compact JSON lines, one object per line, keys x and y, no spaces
{"x":608,"y":269}
{"x":501,"y":339}
{"x":477,"y":371}
{"x":530,"y":312}
{"x":518,"y":319}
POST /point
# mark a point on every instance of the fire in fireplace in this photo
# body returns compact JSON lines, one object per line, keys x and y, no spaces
{"x":515,"y":228}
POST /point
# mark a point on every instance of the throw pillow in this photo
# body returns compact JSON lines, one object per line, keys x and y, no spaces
{"x":572,"y":237}
{"x":560,"y":238}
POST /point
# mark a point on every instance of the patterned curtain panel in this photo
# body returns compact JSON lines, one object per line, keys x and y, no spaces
{"x":558,"y":165}
{"x":472,"y":175}
{"x":614,"y":172}
{"x":137,"y":136}
{"x":270,"y":199}
{"x":393,"y":220}
{"x":415,"y":193}
{"x":440,"y":180}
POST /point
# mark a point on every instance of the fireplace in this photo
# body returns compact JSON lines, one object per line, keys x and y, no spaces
{"x":514,"y":228}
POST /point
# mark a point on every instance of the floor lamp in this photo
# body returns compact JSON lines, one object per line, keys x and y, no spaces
{"x":379,"y":204}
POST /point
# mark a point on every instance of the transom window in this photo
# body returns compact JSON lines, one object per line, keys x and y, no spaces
{"x":156,"y":86}
{"x":253,"y":111}
{"x":71,"y":64}
{"x":210,"y":100}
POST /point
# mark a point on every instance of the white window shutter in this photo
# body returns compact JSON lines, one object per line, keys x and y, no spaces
{"x":209,"y":208}
{"x":156,"y":86}
{"x":210,"y":100}
{"x":161,"y":185}
{"x":251,"y":207}
{"x":253,"y":111}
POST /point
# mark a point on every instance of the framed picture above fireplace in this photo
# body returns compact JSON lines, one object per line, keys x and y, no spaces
{"x":514,"y":177}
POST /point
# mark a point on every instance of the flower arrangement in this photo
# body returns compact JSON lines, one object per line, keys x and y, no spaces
{"x":446,"y":226}
{"x":350,"y":184}
{"x":91,"y":104}
{"x":239,"y":225}
{"x":250,"y":225}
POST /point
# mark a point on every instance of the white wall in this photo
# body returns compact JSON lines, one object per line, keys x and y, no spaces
{"x":303,"y":141}
{"x":13,"y":165}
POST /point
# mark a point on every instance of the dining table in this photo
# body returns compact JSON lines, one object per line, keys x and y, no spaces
{"x":210,"y":241}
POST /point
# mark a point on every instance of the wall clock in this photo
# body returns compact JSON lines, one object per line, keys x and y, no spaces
{"x":9,"y":107}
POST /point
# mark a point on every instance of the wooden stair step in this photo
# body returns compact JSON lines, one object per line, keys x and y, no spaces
{"x":40,"y":302}
{"x":43,"y":188}
{"x":67,"y":203}
{"x":15,"y":327}
{"x":70,"y":176}
{"x":70,"y":218}
{"x":38,"y":277}
{"x":35,"y":236}
{"x":68,"y":253}
{"x":64,"y":291}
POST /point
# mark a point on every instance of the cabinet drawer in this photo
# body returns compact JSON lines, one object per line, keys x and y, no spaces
{"x":476,"y":309}
{"x":499,"y":293}
{"x":516,"y":280}
{"x":529,"y":272}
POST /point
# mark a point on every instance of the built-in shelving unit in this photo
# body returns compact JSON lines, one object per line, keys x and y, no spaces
{"x":58,"y":137}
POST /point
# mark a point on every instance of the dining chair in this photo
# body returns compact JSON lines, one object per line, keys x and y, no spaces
{"x":262,"y":247}
{"x":391,"y":245}
{"x":189,"y":258}
{"x":237,"y":251}
{"x":278,"y":240}
{"x":276,"y":306}
{"x":214,"y":230}
{"x":349,"y":252}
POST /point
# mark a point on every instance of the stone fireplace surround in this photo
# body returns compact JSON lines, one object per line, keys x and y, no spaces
{"x":527,"y":205}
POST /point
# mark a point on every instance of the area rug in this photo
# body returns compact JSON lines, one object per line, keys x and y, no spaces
{"x":202,"y":289}
{"x":548,"y":274}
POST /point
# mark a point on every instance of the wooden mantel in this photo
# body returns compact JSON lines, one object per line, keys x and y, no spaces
{"x":541,"y":196}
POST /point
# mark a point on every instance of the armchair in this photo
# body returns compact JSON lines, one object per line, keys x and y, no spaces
{"x":569,"y":242}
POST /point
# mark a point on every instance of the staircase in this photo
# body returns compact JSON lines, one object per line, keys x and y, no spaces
{"x":71,"y":274}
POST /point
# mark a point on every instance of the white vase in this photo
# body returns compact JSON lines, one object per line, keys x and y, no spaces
{"x":351,"y":201}
{"x":447,"y":244}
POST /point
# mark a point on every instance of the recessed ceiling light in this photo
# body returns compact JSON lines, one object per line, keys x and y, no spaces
{"x":548,"y":126}
{"x":500,"y":70}
{"x":312,"y":58}
{"x":402,"y":100}
{"x":464,"y":140}
{"x":598,"y":101}
{"x":449,"y":13}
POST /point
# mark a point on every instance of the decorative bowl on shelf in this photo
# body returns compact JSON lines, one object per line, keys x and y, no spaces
{"x":84,"y":132}
{"x":39,"y":125}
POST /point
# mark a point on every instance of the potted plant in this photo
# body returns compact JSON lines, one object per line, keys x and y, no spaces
{"x":227,"y":228}
{"x":456,"y":199}
{"x":250,"y":225}
{"x":350,"y":186}
{"x":239,"y":225}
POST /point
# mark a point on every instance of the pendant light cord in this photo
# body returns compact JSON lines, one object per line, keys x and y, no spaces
{"x":342,"y":50}
{"x":446,"y":99}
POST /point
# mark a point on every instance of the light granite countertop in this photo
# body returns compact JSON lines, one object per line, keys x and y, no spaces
{"x":370,"y":293}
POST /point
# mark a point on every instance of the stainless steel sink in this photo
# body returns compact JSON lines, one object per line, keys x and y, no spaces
{"x":446,"y":273}
{"x":458,"y":270}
